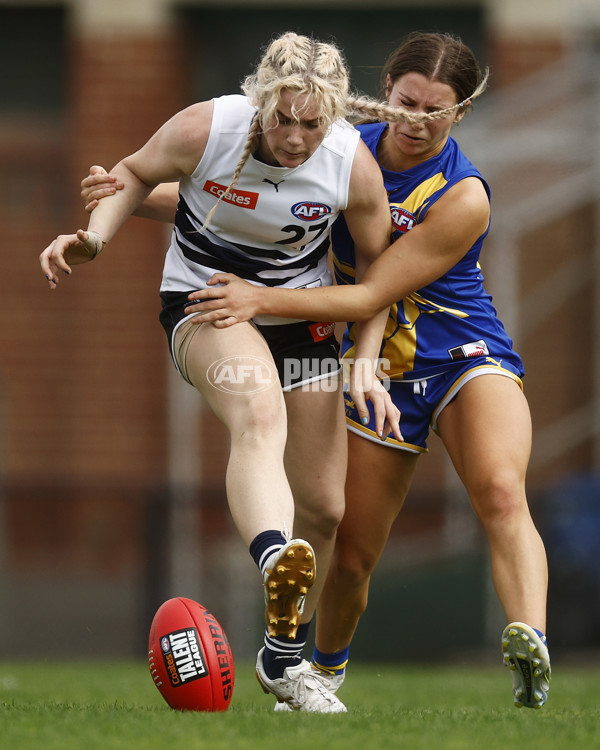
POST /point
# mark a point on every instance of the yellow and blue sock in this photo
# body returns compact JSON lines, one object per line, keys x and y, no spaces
{"x":334,"y":663}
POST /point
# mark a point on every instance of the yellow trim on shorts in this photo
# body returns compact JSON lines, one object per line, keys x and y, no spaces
{"x":390,"y":440}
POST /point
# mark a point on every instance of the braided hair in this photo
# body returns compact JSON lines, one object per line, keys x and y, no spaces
{"x":317,"y":74}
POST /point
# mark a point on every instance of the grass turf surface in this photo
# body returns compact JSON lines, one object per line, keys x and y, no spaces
{"x":114,"y":706}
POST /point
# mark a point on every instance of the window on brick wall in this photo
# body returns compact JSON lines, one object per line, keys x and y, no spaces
{"x":33,"y":54}
{"x":32,"y":60}
{"x":224,"y":45}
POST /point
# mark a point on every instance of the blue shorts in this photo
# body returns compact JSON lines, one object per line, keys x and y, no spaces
{"x":422,"y":401}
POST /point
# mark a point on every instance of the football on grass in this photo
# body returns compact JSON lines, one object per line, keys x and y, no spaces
{"x":190,"y":658}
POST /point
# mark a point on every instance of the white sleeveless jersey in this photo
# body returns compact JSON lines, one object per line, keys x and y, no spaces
{"x":273,"y":227}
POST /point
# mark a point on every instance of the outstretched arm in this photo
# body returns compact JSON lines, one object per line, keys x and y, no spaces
{"x":84,"y":246}
{"x":174,"y":150}
{"x":418,"y":258}
{"x":160,"y":205}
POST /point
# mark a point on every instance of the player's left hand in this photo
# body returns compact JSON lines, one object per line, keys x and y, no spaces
{"x":227,"y":300}
{"x":365,"y":386}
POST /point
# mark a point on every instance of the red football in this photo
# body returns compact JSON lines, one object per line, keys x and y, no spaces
{"x":190,"y":658}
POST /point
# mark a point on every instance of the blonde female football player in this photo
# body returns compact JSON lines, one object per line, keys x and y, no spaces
{"x":453,"y":367}
{"x":260,"y":179}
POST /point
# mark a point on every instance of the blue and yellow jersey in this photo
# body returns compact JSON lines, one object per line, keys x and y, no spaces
{"x":450,"y":320}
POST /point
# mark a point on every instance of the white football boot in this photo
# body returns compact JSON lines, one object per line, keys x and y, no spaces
{"x":289,"y":574}
{"x":300,"y":689}
{"x":331,"y":682}
{"x":527,"y":656}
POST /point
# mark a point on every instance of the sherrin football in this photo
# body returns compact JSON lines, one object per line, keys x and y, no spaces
{"x":189,"y":657}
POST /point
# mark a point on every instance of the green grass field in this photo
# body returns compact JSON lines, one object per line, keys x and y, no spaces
{"x":84,"y":706}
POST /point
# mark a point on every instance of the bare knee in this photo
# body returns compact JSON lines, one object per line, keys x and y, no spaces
{"x":500,"y":500}
{"x":350,"y":577}
{"x":258,"y":420}
{"x":353,"y":564}
{"x":321,"y":516}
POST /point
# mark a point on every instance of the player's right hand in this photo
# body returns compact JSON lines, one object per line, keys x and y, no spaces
{"x":97,"y":185}
{"x":227,"y":300}
{"x":67,"y":250}
{"x":364,"y":385}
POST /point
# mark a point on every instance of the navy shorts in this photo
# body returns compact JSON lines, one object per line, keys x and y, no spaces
{"x":303,"y":352}
{"x":422,"y":401}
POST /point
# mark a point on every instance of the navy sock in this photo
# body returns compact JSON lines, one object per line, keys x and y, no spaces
{"x":264,"y":544}
{"x":281,"y":652}
{"x":334,"y":663}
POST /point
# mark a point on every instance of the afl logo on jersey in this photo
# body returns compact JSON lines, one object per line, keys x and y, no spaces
{"x":402,"y":219}
{"x":309,"y":211}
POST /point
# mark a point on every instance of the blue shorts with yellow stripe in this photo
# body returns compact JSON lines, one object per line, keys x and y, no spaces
{"x":422,"y":400}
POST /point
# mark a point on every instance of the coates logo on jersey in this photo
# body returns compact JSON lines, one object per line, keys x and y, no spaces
{"x":321,"y":331}
{"x":402,"y":219}
{"x":309,"y":211}
{"x":241,"y":198}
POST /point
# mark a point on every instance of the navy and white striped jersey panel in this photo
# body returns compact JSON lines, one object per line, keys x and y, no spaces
{"x":208,"y":253}
{"x":273,"y":227}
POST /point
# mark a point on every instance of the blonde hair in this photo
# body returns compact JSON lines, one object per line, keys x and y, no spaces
{"x":315,"y":71}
